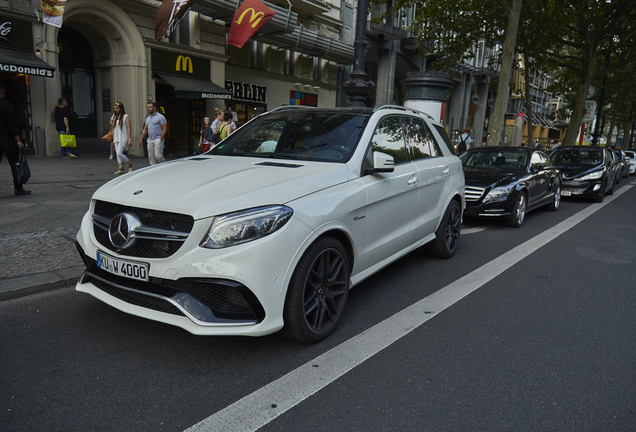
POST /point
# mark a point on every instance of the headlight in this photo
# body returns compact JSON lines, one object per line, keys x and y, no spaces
{"x":246,"y":225}
{"x":592,"y":176}
{"x":500,"y":192}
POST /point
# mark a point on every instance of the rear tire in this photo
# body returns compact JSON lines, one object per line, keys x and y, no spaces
{"x":317,"y":293}
{"x":556,"y":202}
{"x":448,"y":233}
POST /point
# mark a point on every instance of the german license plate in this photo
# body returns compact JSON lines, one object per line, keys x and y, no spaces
{"x":130,"y":269}
{"x":566,"y":192}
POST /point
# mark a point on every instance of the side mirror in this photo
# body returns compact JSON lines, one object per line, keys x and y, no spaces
{"x":382,"y":162}
{"x":538,"y":167}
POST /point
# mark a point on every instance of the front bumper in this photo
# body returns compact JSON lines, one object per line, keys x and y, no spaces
{"x":238,"y":290}
{"x":589,"y":189}
{"x":494,"y":209}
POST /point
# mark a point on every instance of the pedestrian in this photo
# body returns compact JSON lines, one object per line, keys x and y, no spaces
{"x":228,"y":126}
{"x":62,"y":126}
{"x":216,"y":124}
{"x":463,"y":142}
{"x":10,"y":141}
{"x":120,"y":121}
{"x":206,"y":135}
{"x":156,"y":128}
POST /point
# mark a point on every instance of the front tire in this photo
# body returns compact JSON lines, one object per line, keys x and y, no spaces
{"x":448,"y":233}
{"x":519,"y":211}
{"x":318,"y":292}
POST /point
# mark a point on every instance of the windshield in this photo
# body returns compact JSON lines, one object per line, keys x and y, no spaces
{"x":317,"y":135}
{"x":577,"y":156}
{"x":509,"y":158}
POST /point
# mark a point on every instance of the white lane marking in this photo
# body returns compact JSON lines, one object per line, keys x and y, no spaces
{"x":264,"y":405}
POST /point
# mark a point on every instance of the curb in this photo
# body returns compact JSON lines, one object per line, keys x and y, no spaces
{"x":23,"y":286}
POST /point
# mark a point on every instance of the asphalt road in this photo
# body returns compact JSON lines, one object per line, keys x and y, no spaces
{"x":524,"y":329}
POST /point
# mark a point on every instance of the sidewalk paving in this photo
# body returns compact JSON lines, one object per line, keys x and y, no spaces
{"x":37,"y":232}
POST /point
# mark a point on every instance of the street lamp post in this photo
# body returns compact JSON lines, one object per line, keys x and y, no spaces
{"x":358,"y":87}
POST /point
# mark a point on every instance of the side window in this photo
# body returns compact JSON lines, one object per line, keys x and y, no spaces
{"x":420,"y":139}
{"x":545,"y":160}
{"x":535,"y":159}
{"x":389,"y":138}
{"x":442,"y":132}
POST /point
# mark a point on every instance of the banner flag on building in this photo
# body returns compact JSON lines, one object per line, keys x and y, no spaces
{"x":251,"y":16}
{"x":168,"y":16}
{"x":50,"y":11}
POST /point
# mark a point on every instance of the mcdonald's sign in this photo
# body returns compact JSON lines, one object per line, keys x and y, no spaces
{"x":255,"y":17}
{"x":241,"y":29}
{"x":178,"y":63}
{"x":184,"y":64}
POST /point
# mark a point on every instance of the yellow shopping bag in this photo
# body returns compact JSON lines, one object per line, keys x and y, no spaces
{"x":67,"y":141}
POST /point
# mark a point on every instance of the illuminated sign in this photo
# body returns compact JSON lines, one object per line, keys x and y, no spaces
{"x":301,"y":98}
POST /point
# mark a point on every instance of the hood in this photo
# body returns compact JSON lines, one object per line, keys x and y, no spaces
{"x":485,"y":176}
{"x":204,"y":186}
{"x":576,"y":168}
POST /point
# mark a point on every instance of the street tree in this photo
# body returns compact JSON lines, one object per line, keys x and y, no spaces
{"x":449,"y":29}
{"x":594,"y":38}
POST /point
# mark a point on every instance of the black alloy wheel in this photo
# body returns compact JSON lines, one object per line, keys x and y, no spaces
{"x":447,"y":234}
{"x":318,"y":292}
{"x":519,"y":210}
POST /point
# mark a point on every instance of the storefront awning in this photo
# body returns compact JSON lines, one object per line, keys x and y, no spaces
{"x":190,"y":88}
{"x":24,"y":62}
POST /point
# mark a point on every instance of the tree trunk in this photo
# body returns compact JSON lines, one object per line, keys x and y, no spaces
{"x":627,"y":132}
{"x":578,"y":102}
{"x":503,"y":89}
{"x":527,"y":90}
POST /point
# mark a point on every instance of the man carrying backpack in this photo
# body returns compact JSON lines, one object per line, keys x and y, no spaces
{"x":463,"y":142}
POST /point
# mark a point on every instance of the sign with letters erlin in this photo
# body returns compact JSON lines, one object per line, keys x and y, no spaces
{"x":252,"y":15}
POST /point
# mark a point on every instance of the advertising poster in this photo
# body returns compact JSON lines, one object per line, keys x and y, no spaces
{"x":50,"y":11}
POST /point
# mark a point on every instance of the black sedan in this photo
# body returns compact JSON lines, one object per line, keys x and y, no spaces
{"x":621,"y":157}
{"x":507,"y":182}
{"x":587,"y":171}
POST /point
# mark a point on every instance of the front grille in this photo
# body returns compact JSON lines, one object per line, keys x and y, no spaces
{"x":474,"y":193}
{"x":161,"y":246}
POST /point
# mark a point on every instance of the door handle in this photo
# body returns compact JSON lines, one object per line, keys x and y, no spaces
{"x":412,"y":180}
{"x":446,"y":171}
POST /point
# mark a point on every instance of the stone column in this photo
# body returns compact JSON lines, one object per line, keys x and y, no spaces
{"x":427,"y":92}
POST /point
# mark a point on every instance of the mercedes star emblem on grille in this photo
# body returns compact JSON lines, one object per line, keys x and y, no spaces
{"x":122,"y":230}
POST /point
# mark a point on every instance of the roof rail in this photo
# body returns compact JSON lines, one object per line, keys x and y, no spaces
{"x":289,"y":107}
{"x":403,"y":108}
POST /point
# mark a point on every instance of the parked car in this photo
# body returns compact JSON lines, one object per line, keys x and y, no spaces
{"x":270,"y":228}
{"x":507,"y":182}
{"x":621,"y":158}
{"x":587,"y":171}
{"x":631,"y":157}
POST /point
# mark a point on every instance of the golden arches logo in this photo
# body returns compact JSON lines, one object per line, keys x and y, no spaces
{"x":255,"y":17}
{"x":184,"y":64}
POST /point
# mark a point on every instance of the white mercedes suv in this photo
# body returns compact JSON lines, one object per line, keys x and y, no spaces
{"x":270,"y":229}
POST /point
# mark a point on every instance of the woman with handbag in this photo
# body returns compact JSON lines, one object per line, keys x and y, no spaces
{"x":207,"y":136}
{"x":121,"y":136}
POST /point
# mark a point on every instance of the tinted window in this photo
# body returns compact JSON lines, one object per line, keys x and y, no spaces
{"x":420,"y":139}
{"x":442,"y":132}
{"x":389,"y":138}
